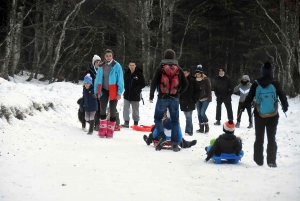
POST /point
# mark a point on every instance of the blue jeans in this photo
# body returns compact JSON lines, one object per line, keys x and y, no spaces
{"x":188,"y":122}
{"x":201,"y":109}
{"x":161,"y":106}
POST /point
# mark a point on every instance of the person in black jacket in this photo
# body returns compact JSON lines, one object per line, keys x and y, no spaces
{"x":167,"y":100}
{"x":223,"y":89}
{"x":188,"y":100}
{"x":225,"y":143}
{"x":134,"y":82}
{"x":269,"y":123}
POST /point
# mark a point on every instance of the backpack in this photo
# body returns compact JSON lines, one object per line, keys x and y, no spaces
{"x":169,"y":82}
{"x":266,"y":100}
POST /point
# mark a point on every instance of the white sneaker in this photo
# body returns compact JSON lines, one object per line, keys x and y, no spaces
{"x":85,"y":129}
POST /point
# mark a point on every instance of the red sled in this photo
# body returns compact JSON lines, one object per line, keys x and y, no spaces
{"x":142,"y":128}
{"x":166,"y":146}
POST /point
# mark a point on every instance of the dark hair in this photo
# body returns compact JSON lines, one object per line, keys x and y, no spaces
{"x":187,"y":69}
{"x":132,"y":61}
{"x":108,"y":51}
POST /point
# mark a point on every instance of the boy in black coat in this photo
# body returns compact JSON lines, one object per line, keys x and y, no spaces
{"x":225,"y":143}
{"x":269,"y":123}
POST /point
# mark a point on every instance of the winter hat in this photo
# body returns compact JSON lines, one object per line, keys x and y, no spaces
{"x":169,"y":54}
{"x":212,"y":141}
{"x":95,"y":58}
{"x":199,"y":69}
{"x":229,"y":127}
{"x":88,"y":79}
{"x":266,"y":69}
{"x":167,"y":124}
{"x":246,"y":77}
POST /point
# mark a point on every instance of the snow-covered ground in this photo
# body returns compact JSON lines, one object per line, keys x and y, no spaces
{"x":46,"y":156}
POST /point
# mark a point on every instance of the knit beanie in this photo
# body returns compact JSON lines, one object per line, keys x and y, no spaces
{"x":229,"y":127}
{"x":199,"y":69}
{"x":167,"y":124}
{"x":95,"y":58}
{"x":169,"y":54}
{"x":88,"y":79}
{"x":266,"y":69}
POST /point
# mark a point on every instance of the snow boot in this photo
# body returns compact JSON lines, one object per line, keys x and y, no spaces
{"x":162,"y":142}
{"x":201,"y":130}
{"x":126,"y":124}
{"x":187,"y":144}
{"x":110,"y":129}
{"x":237,"y":125}
{"x":217,"y":122}
{"x":206,"y":127}
{"x":250,"y":125}
{"x":103,"y":128}
{"x":148,"y":139}
{"x":135,"y":123}
{"x":175,"y":147}
{"x":91,"y":127}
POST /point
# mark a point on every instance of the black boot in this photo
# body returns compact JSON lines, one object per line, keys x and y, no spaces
{"x":217,"y":122}
{"x":201,"y":130}
{"x":148,"y":139}
{"x":126,"y":124}
{"x":206,"y":127}
{"x":250,"y":125}
{"x":135,"y":123}
{"x":91,"y":127}
{"x":187,"y":144}
{"x":96,"y":121}
{"x":175,"y":148}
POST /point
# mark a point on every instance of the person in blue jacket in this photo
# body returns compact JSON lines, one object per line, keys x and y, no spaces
{"x":108,"y":87}
{"x":89,"y":102}
{"x":167,"y":130}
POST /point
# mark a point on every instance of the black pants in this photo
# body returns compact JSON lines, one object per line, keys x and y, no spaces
{"x":228,"y":108}
{"x":103,"y":105}
{"x":97,"y":114}
{"x":239,"y":115}
{"x":260,"y":125}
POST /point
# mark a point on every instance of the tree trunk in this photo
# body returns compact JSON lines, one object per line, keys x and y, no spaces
{"x":167,"y":23}
{"x":9,"y":42}
{"x":16,"y":45}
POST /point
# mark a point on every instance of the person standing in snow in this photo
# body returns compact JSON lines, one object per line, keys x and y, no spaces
{"x":108,"y":87}
{"x":89,"y":102}
{"x":92,"y":70}
{"x":223,"y":89}
{"x":134,"y":82}
{"x":243,"y":88}
{"x":204,"y":99}
{"x":265,"y":123}
{"x":188,"y":100}
{"x":167,"y":97}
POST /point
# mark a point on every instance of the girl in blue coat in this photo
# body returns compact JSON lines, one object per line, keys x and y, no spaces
{"x":89,"y":102}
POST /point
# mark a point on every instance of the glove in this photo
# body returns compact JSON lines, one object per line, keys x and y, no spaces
{"x":81,"y":109}
{"x":205,"y":160}
{"x":285,"y":109}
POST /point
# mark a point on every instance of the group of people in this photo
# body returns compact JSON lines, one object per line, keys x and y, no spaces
{"x":104,"y":84}
{"x":177,"y":89}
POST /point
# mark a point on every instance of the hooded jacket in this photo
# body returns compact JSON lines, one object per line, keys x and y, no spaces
{"x":264,"y":81}
{"x":133,"y":84}
{"x":243,"y":89}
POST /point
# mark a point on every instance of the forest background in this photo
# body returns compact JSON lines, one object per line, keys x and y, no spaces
{"x":58,"y":38}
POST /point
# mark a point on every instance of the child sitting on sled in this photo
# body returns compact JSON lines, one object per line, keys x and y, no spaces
{"x":152,"y":137}
{"x":225,"y":143}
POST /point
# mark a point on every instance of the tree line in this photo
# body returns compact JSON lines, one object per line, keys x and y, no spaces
{"x":59,"y":38}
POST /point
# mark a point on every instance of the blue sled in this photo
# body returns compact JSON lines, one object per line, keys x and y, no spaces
{"x":231,"y":158}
